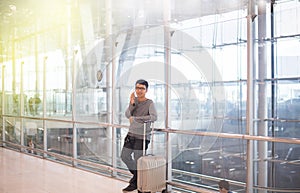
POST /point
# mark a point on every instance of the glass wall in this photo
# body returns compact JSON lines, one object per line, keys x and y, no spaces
{"x":67,"y":76}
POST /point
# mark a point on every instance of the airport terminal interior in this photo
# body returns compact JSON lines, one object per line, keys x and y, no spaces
{"x":223,"y":75}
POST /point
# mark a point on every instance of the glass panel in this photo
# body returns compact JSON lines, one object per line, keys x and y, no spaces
{"x":91,"y":105}
{"x":91,"y":85}
{"x":33,"y":135}
{"x":197,"y":157}
{"x":145,"y":60}
{"x":121,"y":134}
{"x":94,"y":144}
{"x":288,"y":59}
{"x":58,"y":90}
{"x":286,"y":18}
{"x":60,"y":137}
{"x":9,"y":104}
{"x":34,"y":105}
{"x":285,"y":163}
{"x":13,"y":130}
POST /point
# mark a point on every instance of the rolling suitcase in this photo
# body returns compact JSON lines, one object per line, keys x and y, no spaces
{"x":151,"y":170}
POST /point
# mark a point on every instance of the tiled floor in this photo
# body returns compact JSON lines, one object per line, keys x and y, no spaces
{"x":21,"y":173}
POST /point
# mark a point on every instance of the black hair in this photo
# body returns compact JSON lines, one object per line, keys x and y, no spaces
{"x":143,"y":82}
{"x":224,"y":184}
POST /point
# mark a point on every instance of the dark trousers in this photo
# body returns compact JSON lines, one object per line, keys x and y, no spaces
{"x":131,"y":152}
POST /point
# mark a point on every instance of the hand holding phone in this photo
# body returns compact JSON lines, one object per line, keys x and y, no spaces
{"x":132,"y":98}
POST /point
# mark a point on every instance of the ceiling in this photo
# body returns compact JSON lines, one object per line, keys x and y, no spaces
{"x":20,"y":13}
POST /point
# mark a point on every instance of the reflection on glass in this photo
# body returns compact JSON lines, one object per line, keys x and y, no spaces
{"x":13,"y":130}
{"x":94,"y":144}
{"x":33,"y":134}
{"x":60,"y":138}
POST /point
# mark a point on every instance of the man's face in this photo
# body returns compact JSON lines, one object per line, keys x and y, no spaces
{"x":222,"y":190}
{"x":140,"y":90}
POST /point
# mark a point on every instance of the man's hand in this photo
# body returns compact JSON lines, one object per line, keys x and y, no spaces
{"x":131,"y":119}
{"x":132,"y":98}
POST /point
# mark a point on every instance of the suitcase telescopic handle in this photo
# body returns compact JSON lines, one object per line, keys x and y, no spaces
{"x":144,"y":140}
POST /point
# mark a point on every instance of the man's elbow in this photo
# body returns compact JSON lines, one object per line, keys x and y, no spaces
{"x":154,"y":118}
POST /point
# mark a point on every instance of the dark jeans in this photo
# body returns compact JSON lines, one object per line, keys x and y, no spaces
{"x":131,"y":152}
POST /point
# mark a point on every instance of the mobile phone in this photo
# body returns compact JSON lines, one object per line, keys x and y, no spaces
{"x":135,"y":95}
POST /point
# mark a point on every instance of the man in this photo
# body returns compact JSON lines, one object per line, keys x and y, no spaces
{"x":224,"y":186}
{"x":139,"y":111}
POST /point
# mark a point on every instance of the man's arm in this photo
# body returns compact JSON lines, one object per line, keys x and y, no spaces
{"x":129,"y":111}
{"x":131,"y":107}
{"x":152,"y":112}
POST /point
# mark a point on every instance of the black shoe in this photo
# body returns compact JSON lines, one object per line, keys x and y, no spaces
{"x":130,"y":188}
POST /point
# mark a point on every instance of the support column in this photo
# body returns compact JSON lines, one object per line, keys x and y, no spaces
{"x":75,"y":140}
{"x":69,"y":53}
{"x":250,"y":94}
{"x":167,"y":62}
{"x":21,"y":106}
{"x":262,"y":180}
{"x":45,"y":139}
{"x":36,"y":60}
{"x":3,"y":104}
{"x":108,"y":47}
{"x":273,"y":93}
